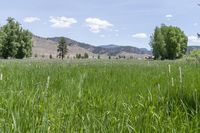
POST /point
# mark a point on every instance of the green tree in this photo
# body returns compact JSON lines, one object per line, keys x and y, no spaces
{"x":158,"y":44}
{"x":16,"y":42}
{"x":168,"y":42}
{"x":2,"y":37}
{"x":62,"y":48}
{"x":86,"y":56}
{"x":78,"y":56}
{"x":25,"y":48}
{"x":176,"y":43}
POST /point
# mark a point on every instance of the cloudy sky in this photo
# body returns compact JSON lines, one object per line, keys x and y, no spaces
{"x":101,"y":22}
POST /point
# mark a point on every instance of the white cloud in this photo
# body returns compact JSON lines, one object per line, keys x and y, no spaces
{"x":195,"y":24}
{"x":102,"y":35}
{"x":169,"y":16}
{"x":140,"y":35}
{"x":62,"y":22}
{"x":193,"y":39}
{"x":31,"y":19}
{"x":96,"y":24}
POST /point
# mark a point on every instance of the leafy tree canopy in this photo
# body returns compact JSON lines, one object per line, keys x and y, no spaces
{"x":168,"y":42}
{"x":15,"y":42}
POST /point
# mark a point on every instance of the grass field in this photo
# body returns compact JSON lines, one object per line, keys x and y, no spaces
{"x":99,"y":96}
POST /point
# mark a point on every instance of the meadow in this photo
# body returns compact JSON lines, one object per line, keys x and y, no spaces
{"x":108,"y":96}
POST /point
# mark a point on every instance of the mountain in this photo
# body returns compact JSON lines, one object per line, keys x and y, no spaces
{"x":48,"y":46}
{"x":191,"y":48}
{"x":108,"y":50}
{"x":109,"y":46}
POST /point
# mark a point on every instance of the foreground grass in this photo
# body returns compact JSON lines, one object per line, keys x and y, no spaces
{"x":99,"y":96}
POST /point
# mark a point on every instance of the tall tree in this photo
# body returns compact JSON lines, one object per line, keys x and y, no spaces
{"x":2,"y":37}
{"x":158,"y":44}
{"x":62,"y":48}
{"x":10,"y":43}
{"x":16,"y":42}
{"x":25,"y":48}
{"x":168,"y":42}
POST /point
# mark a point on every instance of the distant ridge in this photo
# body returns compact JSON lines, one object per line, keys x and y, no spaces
{"x":46,"y":46}
{"x":191,"y":48}
{"x":110,"y":50}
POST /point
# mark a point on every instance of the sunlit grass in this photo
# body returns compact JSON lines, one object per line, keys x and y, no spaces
{"x":99,"y":96}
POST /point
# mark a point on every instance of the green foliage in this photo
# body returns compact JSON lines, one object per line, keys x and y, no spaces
{"x":168,"y":42}
{"x":2,"y":40}
{"x":158,"y":44}
{"x":195,"y":53}
{"x":62,"y":48}
{"x":86,"y":56}
{"x":15,"y":41}
{"x":78,"y":56}
{"x":194,"y":56}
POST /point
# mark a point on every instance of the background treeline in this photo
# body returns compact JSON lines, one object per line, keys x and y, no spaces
{"x":15,"y":42}
{"x":168,"y":42}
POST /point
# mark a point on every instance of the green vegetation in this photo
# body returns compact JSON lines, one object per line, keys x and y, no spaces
{"x":195,"y":53}
{"x":15,"y":42}
{"x":62,"y":48}
{"x":99,"y":96}
{"x":78,"y":56}
{"x":168,"y":42}
{"x":86,"y":56}
{"x":194,"y":56}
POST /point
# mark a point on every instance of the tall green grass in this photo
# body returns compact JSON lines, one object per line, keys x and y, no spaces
{"x":99,"y":96}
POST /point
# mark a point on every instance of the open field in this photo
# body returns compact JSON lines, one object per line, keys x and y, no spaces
{"x":99,"y":96}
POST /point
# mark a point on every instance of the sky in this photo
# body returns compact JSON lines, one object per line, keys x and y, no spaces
{"x":103,"y":22}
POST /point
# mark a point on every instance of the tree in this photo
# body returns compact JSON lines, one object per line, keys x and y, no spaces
{"x":158,"y":44}
{"x":168,"y":42}
{"x":50,"y":56}
{"x":62,"y":48}
{"x":16,"y":42}
{"x":25,"y":48}
{"x":86,"y":56}
{"x":78,"y":56}
{"x":2,"y":37}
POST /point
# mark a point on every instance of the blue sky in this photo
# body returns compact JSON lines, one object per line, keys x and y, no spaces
{"x":102,"y":22}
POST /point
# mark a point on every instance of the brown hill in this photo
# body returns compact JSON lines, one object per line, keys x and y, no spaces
{"x":44,"y":47}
